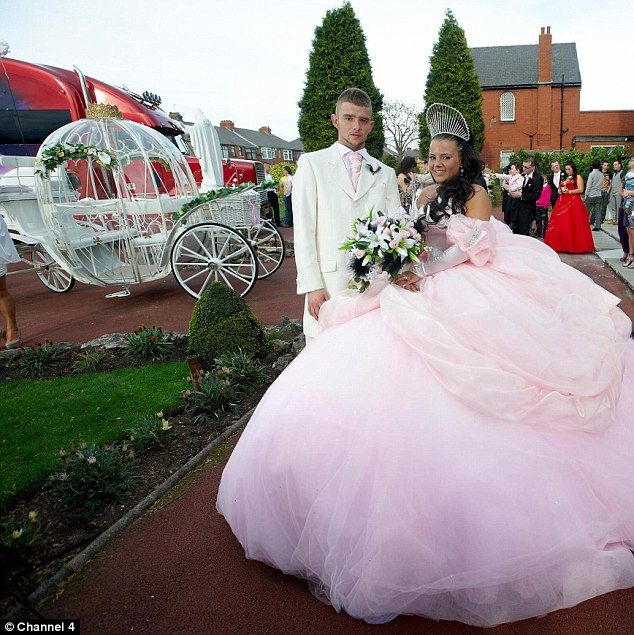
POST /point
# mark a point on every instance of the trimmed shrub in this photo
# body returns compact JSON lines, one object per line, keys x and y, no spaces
{"x":452,"y":80}
{"x":338,"y":60}
{"x":222,"y":322}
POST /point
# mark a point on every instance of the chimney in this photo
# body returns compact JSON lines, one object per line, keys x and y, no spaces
{"x":265,"y":130}
{"x":545,"y":57}
{"x":227,"y":123}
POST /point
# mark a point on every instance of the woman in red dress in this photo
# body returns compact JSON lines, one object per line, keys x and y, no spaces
{"x":568,"y":228}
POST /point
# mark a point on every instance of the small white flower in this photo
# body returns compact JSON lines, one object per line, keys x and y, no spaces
{"x":104,"y":158}
{"x":32,"y":516}
{"x":91,"y":460}
{"x":17,"y":533}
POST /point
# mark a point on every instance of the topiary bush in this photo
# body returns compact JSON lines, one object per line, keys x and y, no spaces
{"x":222,"y":322}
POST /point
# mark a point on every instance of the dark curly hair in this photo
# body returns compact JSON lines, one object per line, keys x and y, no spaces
{"x":571,"y":163}
{"x":460,"y":189}
{"x":406,"y":165}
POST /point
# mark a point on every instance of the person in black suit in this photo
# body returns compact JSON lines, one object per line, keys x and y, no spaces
{"x":557,"y":175}
{"x":525,"y":212}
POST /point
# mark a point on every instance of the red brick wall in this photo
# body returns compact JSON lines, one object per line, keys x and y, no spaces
{"x":613,"y":122}
{"x":532,"y":106}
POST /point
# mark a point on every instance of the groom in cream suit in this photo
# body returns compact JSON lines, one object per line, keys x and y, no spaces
{"x":331,"y":188}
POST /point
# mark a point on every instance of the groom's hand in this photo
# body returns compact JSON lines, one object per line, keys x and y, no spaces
{"x":315,"y":299}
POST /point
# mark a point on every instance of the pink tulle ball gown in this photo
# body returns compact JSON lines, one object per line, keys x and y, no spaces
{"x":461,"y":453}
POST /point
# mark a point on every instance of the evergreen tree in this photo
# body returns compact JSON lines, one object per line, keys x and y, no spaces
{"x":338,"y":60}
{"x":452,"y":80}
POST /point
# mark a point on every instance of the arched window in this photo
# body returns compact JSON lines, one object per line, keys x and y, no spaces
{"x":507,"y":107}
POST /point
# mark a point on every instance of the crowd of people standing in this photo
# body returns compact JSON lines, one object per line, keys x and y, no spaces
{"x":563,"y":208}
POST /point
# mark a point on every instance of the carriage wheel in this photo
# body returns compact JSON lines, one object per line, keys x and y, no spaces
{"x":49,"y":272}
{"x":268,"y":245}
{"x":210,"y":252}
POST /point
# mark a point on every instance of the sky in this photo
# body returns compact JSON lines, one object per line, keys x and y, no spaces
{"x":246,"y":60}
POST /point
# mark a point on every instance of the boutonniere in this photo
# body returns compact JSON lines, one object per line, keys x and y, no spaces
{"x":373,"y":168}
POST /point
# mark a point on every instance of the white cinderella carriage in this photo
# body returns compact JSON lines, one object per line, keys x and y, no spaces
{"x":107,"y":209}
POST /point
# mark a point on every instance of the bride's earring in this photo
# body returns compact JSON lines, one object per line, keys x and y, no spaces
{"x":461,"y":171}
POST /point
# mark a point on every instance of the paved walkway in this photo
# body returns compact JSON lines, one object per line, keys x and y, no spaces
{"x":609,"y":250}
{"x":180,"y":570}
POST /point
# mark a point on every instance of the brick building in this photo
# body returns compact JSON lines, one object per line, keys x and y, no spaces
{"x":531,"y":100}
{"x":254,"y":145}
{"x":260,"y":144}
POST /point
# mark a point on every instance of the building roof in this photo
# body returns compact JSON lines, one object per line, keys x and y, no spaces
{"x":515,"y":66}
{"x":230,"y":138}
{"x":296,"y":145}
{"x":262,"y":139}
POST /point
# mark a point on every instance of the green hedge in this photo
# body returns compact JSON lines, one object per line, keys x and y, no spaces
{"x":583,"y":160}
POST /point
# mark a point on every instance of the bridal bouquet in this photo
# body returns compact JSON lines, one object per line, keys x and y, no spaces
{"x":381,"y":244}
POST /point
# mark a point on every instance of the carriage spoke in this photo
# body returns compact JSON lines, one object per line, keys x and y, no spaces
{"x":239,"y":252}
{"x":195,"y":254}
{"x":188,"y":263}
{"x":212,"y":274}
{"x":235,"y":274}
{"x":202,"y":245}
{"x":194,"y":275}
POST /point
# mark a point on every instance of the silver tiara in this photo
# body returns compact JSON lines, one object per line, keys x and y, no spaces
{"x":443,"y":119}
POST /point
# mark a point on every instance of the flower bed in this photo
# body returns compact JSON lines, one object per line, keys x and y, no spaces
{"x":42,"y":531}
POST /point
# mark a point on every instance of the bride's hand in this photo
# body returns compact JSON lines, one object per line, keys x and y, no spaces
{"x":409,"y":280}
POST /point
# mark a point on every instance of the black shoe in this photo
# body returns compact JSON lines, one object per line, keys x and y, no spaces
{"x":596,"y":229}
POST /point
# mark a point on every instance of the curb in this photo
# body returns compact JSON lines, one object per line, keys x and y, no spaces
{"x":620,"y":272}
{"x":82,"y":558}
{"x":614,"y":264}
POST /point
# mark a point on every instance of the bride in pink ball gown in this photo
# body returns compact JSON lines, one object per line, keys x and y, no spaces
{"x":457,"y":445}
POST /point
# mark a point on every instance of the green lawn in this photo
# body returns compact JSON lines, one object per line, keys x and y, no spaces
{"x":38,"y":418}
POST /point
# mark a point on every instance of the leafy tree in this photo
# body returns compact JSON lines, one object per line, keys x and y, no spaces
{"x":400,"y":122}
{"x":338,"y":60}
{"x":452,"y":80}
{"x":390,"y":159}
{"x":277,"y":170}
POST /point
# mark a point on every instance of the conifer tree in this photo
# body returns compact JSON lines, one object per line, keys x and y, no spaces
{"x":338,"y":60}
{"x":452,"y":80}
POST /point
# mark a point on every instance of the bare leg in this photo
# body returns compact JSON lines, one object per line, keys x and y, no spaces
{"x":7,"y":310}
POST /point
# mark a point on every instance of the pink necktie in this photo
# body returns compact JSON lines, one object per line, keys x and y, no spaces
{"x":356,"y":160}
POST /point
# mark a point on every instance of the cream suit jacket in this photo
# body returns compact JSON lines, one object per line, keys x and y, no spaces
{"x":324,"y":206}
